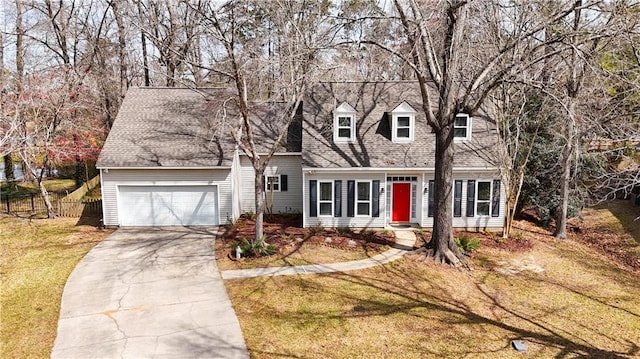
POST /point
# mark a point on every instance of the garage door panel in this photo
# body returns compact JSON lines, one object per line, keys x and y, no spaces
{"x":168,"y":205}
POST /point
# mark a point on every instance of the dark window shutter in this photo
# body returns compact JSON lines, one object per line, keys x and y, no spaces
{"x":264,"y":183}
{"x":471,"y":198}
{"x":313,"y":198}
{"x":431,"y":198}
{"x":337,"y":198}
{"x":351,"y":198}
{"x":375,"y":199}
{"x":495,"y":201}
{"x":283,"y":183}
{"x":457,"y":199}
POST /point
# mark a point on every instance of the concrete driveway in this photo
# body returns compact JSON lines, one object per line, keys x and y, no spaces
{"x":149,"y":293}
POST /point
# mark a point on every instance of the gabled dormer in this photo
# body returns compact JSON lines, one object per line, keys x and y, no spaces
{"x":403,"y":123}
{"x":344,"y":123}
{"x":462,"y":128}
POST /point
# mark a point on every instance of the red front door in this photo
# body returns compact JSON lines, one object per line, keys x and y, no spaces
{"x":401,"y":202}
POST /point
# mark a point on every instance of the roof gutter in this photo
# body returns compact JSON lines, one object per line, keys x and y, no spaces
{"x":392,"y":169}
{"x":164,"y":168}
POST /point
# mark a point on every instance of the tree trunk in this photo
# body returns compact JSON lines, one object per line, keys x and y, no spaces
{"x":51,"y":213}
{"x":77,"y":177}
{"x":442,"y":246}
{"x":122,"y":54}
{"x":259,"y":202}
{"x":143,"y":39}
{"x":565,"y":176}
{"x":8,"y":168}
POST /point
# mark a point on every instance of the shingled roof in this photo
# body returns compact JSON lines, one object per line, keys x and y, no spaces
{"x":373,"y":146}
{"x":179,"y":127}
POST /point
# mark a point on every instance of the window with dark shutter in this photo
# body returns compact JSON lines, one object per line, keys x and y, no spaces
{"x":431,"y":194}
{"x":471,"y":198}
{"x":457,"y":198}
{"x":313,"y":198}
{"x":495,"y":201}
{"x":337,"y":198}
{"x":351,"y":198}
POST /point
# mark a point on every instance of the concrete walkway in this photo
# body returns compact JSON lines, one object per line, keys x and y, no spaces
{"x":149,"y":293}
{"x":405,"y":239}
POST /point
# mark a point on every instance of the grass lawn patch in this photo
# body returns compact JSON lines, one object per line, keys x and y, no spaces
{"x":36,"y":259}
{"x":564,"y":299}
{"x":612,"y":230}
{"x":25,"y":188}
{"x":299,"y":246}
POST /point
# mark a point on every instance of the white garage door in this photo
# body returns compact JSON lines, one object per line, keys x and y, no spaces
{"x":168,"y":205}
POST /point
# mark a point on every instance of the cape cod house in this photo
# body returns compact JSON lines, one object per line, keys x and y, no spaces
{"x":359,"y":155}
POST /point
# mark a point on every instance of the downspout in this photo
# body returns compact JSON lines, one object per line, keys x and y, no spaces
{"x":235,"y":186}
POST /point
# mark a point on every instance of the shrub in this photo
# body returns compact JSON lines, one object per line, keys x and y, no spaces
{"x":315,"y":230}
{"x":467,"y":244}
{"x":255,"y":248}
{"x":251,"y":216}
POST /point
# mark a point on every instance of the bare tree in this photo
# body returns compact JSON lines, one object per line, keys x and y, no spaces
{"x":249,"y":63}
{"x":456,"y":78}
{"x":173,"y":28}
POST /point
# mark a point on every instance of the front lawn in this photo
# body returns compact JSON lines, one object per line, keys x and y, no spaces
{"x":36,"y":258}
{"x":564,"y":299}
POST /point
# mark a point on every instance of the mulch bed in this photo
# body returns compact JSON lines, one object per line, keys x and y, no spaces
{"x":286,"y":233}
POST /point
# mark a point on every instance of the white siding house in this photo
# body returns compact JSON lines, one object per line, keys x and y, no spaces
{"x":359,"y":154}
{"x":283,"y":184}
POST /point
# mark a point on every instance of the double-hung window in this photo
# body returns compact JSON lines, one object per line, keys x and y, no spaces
{"x":403,"y":128}
{"x":273,"y":183}
{"x":325,"y":198}
{"x":344,"y":128}
{"x":363,"y":198}
{"x":344,"y":123}
{"x":403,"y":123}
{"x":462,"y":127}
{"x":483,"y":198}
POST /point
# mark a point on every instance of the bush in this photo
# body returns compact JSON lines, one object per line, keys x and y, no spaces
{"x":251,"y":216}
{"x":467,"y":244}
{"x":255,"y":248}
{"x":315,"y":230}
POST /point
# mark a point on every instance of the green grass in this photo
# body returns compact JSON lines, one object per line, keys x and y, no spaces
{"x":21,"y":188}
{"x":626,"y":213}
{"x":579,"y":305}
{"x":36,"y":259}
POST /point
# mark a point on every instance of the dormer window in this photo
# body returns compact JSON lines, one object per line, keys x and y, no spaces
{"x":462,"y":127}
{"x":403,"y":119}
{"x":344,"y":123}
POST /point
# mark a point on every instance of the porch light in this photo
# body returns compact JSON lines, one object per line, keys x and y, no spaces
{"x":381,"y":190}
{"x":425,"y":190}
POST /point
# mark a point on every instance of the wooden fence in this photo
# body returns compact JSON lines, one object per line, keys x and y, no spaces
{"x":79,"y":193}
{"x":63,"y":206}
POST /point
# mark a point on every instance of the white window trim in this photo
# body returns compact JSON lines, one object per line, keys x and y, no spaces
{"x":469,"y":128}
{"x":357,"y":201}
{"x":395,"y":127}
{"x":266,"y":179}
{"x":490,"y":200}
{"x":326,"y":201}
{"x":344,"y":110}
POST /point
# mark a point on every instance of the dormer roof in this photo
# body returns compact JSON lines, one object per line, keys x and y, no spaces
{"x":345,"y":108}
{"x":403,"y":107}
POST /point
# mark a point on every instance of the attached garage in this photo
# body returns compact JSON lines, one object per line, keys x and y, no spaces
{"x":168,"y":205}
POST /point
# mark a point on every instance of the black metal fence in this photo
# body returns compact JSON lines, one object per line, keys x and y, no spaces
{"x":34,"y":203}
